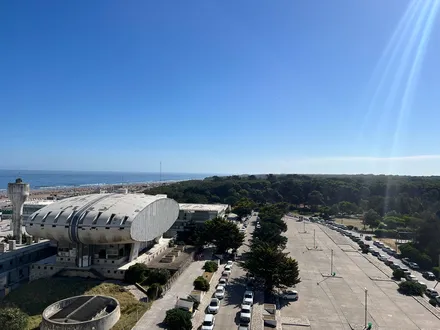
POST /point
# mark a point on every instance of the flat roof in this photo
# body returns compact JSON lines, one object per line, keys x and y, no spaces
{"x":39,"y":202}
{"x":203,"y":207}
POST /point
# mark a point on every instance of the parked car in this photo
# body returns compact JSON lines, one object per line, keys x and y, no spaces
{"x":389,"y":262}
{"x":405,"y":261}
{"x":246,"y":313}
{"x":368,"y":238}
{"x":432,"y":293}
{"x":208,"y":322}
{"x":422,"y":284}
{"x":227,"y":272}
{"x":413,"y":265}
{"x":429,"y":276}
{"x":228,"y":268}
{"x":375,"y":253}
{"x":290,"y":295}
{"x":382,"y":257}
{"x":223,"y":281}
{"x":248,"y":298}
{"x":229,"y":263}
{"x":244,"y":326}
{"x":219,"y":292}
{"x":411,"y":278}
{"x":225,"y":276}
{"x":214,"y":306}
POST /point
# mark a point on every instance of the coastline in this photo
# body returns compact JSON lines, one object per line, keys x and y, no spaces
{"x":64,"y":192}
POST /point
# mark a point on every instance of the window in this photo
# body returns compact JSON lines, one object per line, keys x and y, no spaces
{"x":96,"y":218}
{"x":57,"y":217}
{"x":45,"y":217}
{"x":69,"y":219}
{"x":124,"y":220}
{"x":35,"y":215}
{"x":110,"y":219}
{"x":81,"y":220}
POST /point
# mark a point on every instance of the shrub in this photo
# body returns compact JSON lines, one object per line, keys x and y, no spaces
{"x":411,"y":288}
{"x":136,"y":273}
{"x":350,"y":227}
{"x":365,"y":249}
{"x":436,"y":271}
{"x":178,"y":319}
{"x":154,"y":291}
{"x":433,"y":302}
{"x":398,"y":274}
{"x":210,"y":266}
{"x":160,"y":276}
{"x":409,"y":251}
{"x":200,"y":283}
{"x":13,"y":318}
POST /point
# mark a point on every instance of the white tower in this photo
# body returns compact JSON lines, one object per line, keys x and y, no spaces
{"x":18,"y":192}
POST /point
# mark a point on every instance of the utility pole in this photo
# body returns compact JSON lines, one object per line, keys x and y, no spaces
{"x":366,"y":307}
{"x":314,"y":239}
{"x":331,"y":264}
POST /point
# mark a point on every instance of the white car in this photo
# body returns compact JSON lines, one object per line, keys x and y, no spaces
{"x":382,"y":257}
{"x":208,"y":322}
{"x":245,"y":314}
{"x":290,"y":295}
{"x":219,"y":292}
{"x":229,"y":263}
{"x":223,"y":281}
{"x":228,"y":268}
{"x":248,"y":298}
{"x":214,"y":306}
{"x":227,"y":272}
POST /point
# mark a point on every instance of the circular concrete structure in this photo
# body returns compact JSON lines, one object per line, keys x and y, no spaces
{"x":81,"y":312}
{"x":104,"y":219}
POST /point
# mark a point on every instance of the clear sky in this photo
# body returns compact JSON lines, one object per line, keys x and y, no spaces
{"x":221,"y":86}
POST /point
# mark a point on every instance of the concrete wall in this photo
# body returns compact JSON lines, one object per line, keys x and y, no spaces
{"x":104,"y":323}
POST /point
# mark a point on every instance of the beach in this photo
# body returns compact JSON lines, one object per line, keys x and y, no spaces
{"x":64,"y":192}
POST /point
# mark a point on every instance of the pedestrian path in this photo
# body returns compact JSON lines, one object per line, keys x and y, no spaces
{"x":182,"y":287}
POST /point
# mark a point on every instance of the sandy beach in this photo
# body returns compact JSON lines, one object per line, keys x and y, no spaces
{"x":84,"y":190}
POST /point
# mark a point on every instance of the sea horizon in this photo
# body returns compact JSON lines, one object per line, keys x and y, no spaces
{"x":59,"y":179}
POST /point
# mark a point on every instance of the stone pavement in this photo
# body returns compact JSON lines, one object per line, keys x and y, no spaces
{"x":182,"y":287}
{"x":200,"y":315}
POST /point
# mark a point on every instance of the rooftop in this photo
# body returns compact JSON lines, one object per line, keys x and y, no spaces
{"x":203,"y":207}
{"x":39,"y":202}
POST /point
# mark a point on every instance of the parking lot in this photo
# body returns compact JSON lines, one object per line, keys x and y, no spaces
{"x":338,"y":302}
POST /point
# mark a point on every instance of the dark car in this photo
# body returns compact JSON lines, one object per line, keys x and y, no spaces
{"x":375,"y":253}
{"x":429,"y":276}
{"x":368,"y":238}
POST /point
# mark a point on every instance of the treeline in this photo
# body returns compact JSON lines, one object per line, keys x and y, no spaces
{"x":351,"y":193}
{"x":392,"y":204}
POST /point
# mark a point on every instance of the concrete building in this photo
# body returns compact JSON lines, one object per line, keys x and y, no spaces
{"x":196,"y":214}
{"x":32,"y":206}
{"x":101,"y":231}
{"x":18,"y":192}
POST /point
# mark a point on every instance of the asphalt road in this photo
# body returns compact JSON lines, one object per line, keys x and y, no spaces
{"x":229,"y":312}
{"x":339,"y":302}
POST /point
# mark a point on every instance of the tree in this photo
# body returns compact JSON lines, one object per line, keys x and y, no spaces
{"x":223,"y":234}
{"x":201,"y":283}
{"x":244,"y":207}
{"x":398,"y":274}
{"x":276,"y":268}
{"x":13,"y":318}
{"x":210,"y":266}
{"x":334,"y":209}
{"x":136,"y":273}
{"x":271,"y":234}
{"x":411,"y":288}
{"x":178,"y":319}
{"x":154,"y":291}
{"x":315,"y":198}
{"x":160,"y":276}
{"x":371,"y":218}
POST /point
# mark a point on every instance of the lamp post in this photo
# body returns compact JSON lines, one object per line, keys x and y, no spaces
{"x":366,"y":306}
{"x":331,"y":264}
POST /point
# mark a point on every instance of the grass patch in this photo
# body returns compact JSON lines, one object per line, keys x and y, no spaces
{"x":33,"y":298}
{"x":391,"y":242}
{"x":350,"y":222}
{"x":208,"y":276}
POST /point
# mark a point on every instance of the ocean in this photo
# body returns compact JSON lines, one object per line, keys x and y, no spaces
{"x":65,"y":179}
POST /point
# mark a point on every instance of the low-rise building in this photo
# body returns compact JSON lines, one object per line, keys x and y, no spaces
{"x":196,"y":214}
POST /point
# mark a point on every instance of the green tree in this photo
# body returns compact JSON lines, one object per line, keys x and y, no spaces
{"x":371,"y":218}
{"x":201,"y":283}
{"x":223,"y":234}
{"x":334,"y":209}
{"x":411,"y":288}
{"x":154,"y":291}
{"x":210,"y":266}
{"x":271,"y":234}
{"x":159,"y":275}
{"x":136,"y":273}
{"x":398,"y":274}
{"x":276,"y":268}
{"x":244,"y":207}
{"x":13,"y":318}
{"x":315,"y":199}
{"x":178,"y":319}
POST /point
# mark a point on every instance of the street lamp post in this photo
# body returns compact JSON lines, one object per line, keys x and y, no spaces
{"x":366,"y":306}
{"x":331,"y":264}
{"x":314,"y":239}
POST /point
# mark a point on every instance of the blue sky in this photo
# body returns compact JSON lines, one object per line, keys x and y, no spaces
{"x":220,"y":86}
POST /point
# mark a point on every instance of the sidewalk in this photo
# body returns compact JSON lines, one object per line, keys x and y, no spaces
{"x":182,"y":287}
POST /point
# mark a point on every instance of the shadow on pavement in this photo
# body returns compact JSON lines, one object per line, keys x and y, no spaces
{"x":235,"y":291}
{"x":162,"y":325}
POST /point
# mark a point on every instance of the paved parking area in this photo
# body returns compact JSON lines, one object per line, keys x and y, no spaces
{"x":339,"y":302}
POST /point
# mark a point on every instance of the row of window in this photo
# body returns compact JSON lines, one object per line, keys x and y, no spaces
{"x":81,"y":219}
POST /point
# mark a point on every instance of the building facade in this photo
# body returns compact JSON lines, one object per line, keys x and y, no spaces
{"x":196,"y":214}
{"x":102,"y":230}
